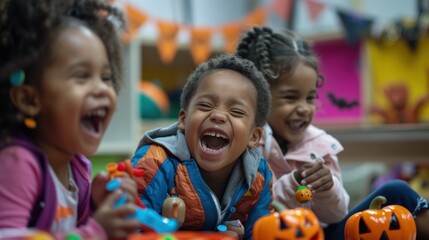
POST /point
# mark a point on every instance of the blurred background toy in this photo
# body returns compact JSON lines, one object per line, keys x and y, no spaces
{"x":154,"y":101}
{"x":420,"y":182}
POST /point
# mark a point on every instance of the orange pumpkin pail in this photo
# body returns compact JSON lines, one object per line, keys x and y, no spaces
{"x":392,"y":222}
{"x":297,"y":223}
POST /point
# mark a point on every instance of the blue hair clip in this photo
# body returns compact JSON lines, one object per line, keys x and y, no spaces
{"x":17,"y":78}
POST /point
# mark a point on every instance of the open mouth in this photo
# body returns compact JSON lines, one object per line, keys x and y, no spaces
{"x":296,"y":124}
{"x":93,"y":120}
{"x":213,"y":142}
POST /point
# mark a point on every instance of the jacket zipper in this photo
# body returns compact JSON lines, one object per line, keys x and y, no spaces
{"x":228,"y":213}
{"x":218,"y":209}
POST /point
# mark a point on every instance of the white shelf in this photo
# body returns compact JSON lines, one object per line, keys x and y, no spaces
{"x":387,"y":144}
{"x":123,"y":133}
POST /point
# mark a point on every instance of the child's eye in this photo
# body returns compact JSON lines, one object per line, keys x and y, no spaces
{"x":82,"y":75}
{"x":311,"y":99}
{"x":107,"y":78}
{"x":237,"y":112}
{"x":313,"y":96}
{"x":204,"y":106}
{"x":290,"y":98}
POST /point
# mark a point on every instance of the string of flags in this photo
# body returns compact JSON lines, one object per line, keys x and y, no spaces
{"x":355,"y":26}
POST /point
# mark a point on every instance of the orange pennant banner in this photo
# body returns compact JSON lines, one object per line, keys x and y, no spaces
{"x":136,"y":18}
{"x":231,"y":34}
{"x":282,"y":8}
{"x":167,"y":42}
{"x":314,"y":9}
{"x":257,"y":17}
{"x":200,"y":44}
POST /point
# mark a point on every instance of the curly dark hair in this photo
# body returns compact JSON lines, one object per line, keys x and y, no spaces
{"x":27,"y":29}
{"x":276,"y":54}
{"x":234,"y":63}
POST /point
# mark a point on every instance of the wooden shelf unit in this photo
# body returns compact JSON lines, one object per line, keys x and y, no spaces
{"x":387,"y":143}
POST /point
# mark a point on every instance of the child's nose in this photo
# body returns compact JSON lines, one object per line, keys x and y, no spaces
{"x":101,"y":86}
{"x":304,"y":108}
{"x":218,"y":116}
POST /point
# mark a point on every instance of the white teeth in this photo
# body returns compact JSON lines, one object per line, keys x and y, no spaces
{"x":213,"y":134}
{"x":101,"y":112}
{"x":209,"y":150}
{"x":295,"y":124}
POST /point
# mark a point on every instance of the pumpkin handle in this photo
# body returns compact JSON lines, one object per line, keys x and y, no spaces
{"x":377,"y":202}
{"x":278,"y":207}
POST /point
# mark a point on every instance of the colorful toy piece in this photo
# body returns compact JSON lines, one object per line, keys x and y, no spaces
{"x":303,"y":194}
{"x":174,"y":207}
{"x":36,"y":235}
{"x":117,"y":170}
{"x":149,"y":218}
{"x":393,"y":222}
{"x":298,"y":223}
{"x":182,"y":235}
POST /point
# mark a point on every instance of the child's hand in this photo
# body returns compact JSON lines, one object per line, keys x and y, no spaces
{"x":115,"y":220}
{"x":316,"y":176}
{"x":99,"y":192}
{"x":234,"y":229}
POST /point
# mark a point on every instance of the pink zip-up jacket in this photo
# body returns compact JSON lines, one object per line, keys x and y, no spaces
{"x":22,"y":183}
{"x":330,"y":206}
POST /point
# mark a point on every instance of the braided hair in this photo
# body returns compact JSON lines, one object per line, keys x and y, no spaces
{"x":27,"y":29}
{"x":276,"y":54}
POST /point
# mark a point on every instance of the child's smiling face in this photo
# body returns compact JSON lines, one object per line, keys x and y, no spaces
{"x":76,"y":95}
{"x":293,"y":103}
{"x":219,"y":123}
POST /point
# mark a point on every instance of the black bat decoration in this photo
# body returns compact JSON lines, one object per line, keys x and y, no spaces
{"x":342,"y":103}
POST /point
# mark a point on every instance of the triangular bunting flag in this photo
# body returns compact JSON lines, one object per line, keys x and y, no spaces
{"x":136,"y":18}
{"x":257,"y":17}
{"x":166,"y":42}
{"x":200,"y":44}
{"x":355,"y":26}
{"x":314,"y":9}
{"x":282,"y":8}
{"x":231,"y":34}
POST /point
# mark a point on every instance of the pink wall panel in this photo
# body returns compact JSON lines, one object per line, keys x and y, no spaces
{"x":339,"y":64}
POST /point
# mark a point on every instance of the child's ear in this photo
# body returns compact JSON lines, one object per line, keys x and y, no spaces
{"x":255,"y":137}
{"x":24,"y":97}
{"x":182,"y":118}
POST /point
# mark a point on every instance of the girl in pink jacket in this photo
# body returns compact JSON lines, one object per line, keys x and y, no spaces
{"x":59,"y":76}
{"x":300,"y":153}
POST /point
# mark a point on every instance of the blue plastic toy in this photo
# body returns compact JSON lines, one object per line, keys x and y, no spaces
{"x":147,"y":217}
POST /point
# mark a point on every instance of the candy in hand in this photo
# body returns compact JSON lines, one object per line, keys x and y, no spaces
{"x":303,"y":194}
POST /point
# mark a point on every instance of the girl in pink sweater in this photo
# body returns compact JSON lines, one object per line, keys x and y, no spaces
{"x":300,"y":153}
{"x":59,"y":75}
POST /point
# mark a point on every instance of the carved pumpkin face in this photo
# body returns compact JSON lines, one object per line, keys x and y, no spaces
{"x":303,"y":194}
{"x":393,"y":222}
{"x":293,"y":224}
